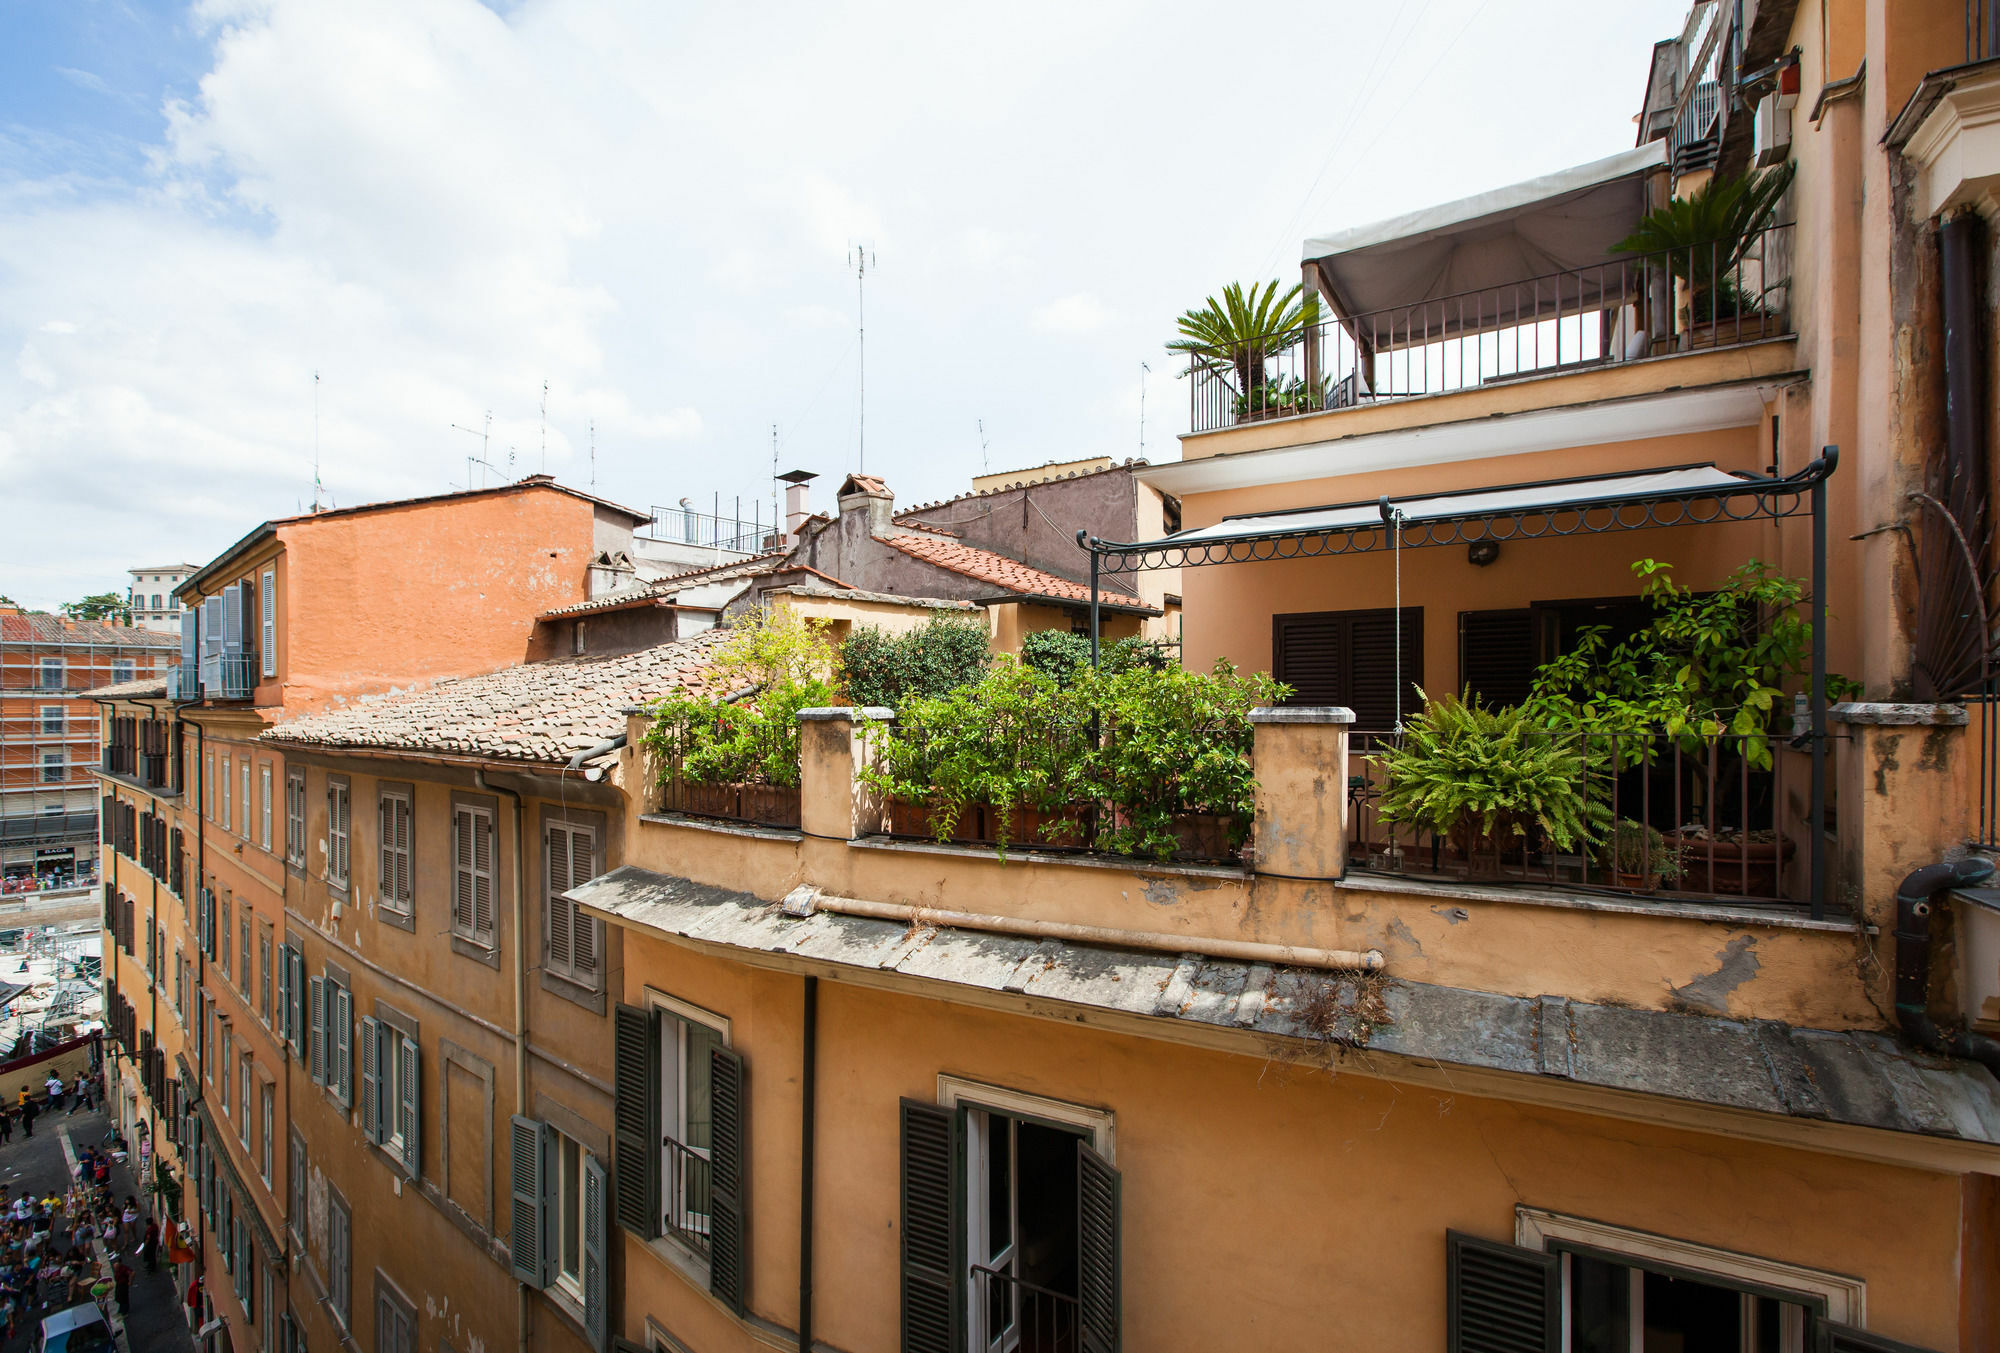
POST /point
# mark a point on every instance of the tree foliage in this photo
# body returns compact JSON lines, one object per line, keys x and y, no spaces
{"x":935,"y":658}
{"x":99,"y":606}
{"x":1235,"y":337}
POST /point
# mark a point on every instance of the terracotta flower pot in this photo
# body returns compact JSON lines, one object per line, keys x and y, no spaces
{"x":1029,"y":827}
{"x":703,"y":800}
{"x":909,"y":817}
{"x":1732,"y":867}
{"x":769,"y":805}
{"x":1207,"y":836}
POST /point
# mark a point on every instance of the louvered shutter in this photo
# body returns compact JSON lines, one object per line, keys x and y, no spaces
{"x":211,"y":624}
{"x":232,"y":620}
{"x":267,"y":617}
{"x":556,"y":849}
{"x":933,"y":1224}
{"x":482,"y":878}
{"x":406,"y":890}
{"x":528,"y":1215}
{"x":319,"y":1030}
{"x":1499,"y":1298}
{"x":385,"y":846}
{"x":636,"y":1141}
{"x":1348,"y":658}
{"x":728,"y":1257}
{"x":190,"y":654}
{"x":372,"y":1116}
{"x":340,"y":1016}
{"x":1496,"y":655}
{"x":596,"y":1246}
{"x":1097,"y":1249}
{"x":409,"y":1105}
{"x":463,"y":822}
{"x":584,"y":930}
{"x":284,"y":998}
{"x":1830,"y":1336}
{"x":301,"y":1031}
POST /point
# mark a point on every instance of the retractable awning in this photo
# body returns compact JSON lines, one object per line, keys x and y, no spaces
{"x":1673,"y":496}
{"x":1558,"y":223}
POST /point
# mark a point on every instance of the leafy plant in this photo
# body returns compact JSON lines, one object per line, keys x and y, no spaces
{"x":1710,"y":663}
{"x":775,"y":664}
{"x":938,"y":656}
{"x":1280,"y":396}
{"x":1484,"y":777}
{"x":99,"y":606}
{"x":1234,"y":338}
{"x":1635,"y":848}
{"x":1065,"y":656}
{"x":1705,"y":235}
{"x":1171,"y":743}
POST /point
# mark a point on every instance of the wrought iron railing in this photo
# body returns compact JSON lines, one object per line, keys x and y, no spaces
{"x":1985,"y":710}
{"x":1017,"y":1314}
{"x":710,"y":530}
{"x":1692,"y":817}
{"x":685,"y":1190}
{"x":1710,"y":296}
{"x":229,"y":676}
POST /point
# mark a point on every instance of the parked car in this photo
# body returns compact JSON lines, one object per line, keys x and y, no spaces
{"x":80,"y":1329}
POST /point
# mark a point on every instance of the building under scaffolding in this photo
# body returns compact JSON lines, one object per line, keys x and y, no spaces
{"x":49,"y":737}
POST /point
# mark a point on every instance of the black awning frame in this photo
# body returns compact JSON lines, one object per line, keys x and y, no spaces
{"x":1757,"y":499}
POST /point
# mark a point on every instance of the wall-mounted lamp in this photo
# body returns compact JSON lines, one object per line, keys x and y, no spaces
{"x":1480,"y":553}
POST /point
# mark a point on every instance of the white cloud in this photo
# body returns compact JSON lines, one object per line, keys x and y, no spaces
{"x":438,"y":207}
{"x":1082,"y":313}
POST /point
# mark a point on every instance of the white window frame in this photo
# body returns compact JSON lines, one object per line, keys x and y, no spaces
{"x":1100,"y":1125}
{"x":227,"y":803}
{"x":123,"y":669}
{"x":569,"y":1213}
{"x":264,"y":804}
{"x":57,"y":666}
{"x":673,"y":1086}
{"x":246,"y":797}
{"x":60,"y":721}
{"x":1844,"y":1299}
{"x":246,"y":1076}
{"x":54,"y":761}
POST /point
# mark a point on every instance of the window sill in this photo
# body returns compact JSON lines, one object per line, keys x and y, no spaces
{"x":1777,"y":916}
{"x":478,"y":953}
{"x":576,"y":993}
{"x":402,"y":920}
{"x":679,"y":1257}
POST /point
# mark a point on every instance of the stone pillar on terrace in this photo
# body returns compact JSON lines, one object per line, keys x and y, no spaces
{"x":1300,"y":759}
{"x":833,"y":749}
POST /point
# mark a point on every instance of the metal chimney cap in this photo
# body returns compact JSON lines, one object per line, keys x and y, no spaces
{"x":797,"y":476}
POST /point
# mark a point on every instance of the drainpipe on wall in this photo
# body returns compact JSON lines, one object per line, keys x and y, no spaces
{"x":808,"y":1096}
{"x":521,"y":1308}
{"x":1913,"y":959}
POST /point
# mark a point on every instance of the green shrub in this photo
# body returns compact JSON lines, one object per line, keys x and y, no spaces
{"x":1483,"y":778}
{"x":1063,"y":655}
{"x":747,"y":732}
{"x":938,"y":656}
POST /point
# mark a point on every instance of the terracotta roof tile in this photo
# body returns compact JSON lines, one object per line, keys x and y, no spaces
{"x":672,"y":583}
{"x":145,"y":688}
{"x":538,"y":711}
{"x":1009,"y":574}
{"x":51,"y":629}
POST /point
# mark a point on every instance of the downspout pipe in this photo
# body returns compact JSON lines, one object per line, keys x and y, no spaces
{"x":1914,"y":904}
{"x":520,"y":1003}
{"x":604,"y":748}
{"x":808,"y":1115}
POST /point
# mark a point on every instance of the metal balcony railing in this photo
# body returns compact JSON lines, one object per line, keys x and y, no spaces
{"x":1017,"y":1314}
{"x":229,"y":676}
{"x":708,"y":530}
{"x":1710,"y":296}
{"x":685,"y":1190}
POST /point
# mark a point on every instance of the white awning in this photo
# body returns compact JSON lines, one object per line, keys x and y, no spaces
{"x":1557,"y":223}
{"x":1608,"y":491}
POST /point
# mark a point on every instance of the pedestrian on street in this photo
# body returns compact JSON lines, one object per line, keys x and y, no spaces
{"x":121,"y":1277}
{"x":82,"y":1100}
{"x":27,"y":1115}
{"x":6,"y":1125}
{"x":149,"y":1246}
{"x":128,"y":1229}
{"x":54,"y":1086}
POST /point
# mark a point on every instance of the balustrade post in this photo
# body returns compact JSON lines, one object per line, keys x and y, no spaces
{"x":833,"y":800}
{"x":1300,"y":759}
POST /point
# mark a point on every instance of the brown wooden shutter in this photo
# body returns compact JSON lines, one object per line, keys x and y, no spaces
{"x":1097,"y":1249}
{"x":482,"y":877}
{"x":556,"y":863}
{"x":1500,"y":1298}
{"x":635,"y":1117}
{"x":465,"y":827}
{"x":1497,"y":655}
{"x":933,"y":1223}
{"x":1349,"y":658}
{"x":728,"y":1249}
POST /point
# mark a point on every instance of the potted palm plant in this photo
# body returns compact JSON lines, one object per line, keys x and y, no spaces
{"x":1704,"y":240}
{"x":1235,"y":339}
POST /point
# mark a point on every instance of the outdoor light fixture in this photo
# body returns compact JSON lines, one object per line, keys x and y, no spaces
{"x":1480,"y":553}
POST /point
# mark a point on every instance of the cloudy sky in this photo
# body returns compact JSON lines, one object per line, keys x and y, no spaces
{"x":438,"y":206}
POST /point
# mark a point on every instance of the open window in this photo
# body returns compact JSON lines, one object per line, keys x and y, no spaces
{"x":1576,"y":1286}
{"x":1010,"y":1225}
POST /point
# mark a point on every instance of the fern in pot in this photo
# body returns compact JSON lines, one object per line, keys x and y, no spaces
{"x":1489,"y":781}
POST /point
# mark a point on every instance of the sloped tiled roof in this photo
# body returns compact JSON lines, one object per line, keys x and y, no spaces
{"x":53,"y":629}
{"x":538,"y":711}
{"x":862,"y":483}
{"x":672,"y":583}
{"x":1008,"y":574}
{"x":145,"y":688}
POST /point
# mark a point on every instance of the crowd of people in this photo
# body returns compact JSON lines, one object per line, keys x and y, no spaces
{"x":47,"y":1260}
{"x":56,"y":1094}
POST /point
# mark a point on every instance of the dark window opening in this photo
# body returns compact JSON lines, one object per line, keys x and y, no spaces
{"x":1025,"y":1245}
{"x":1351,"y":659}
{"x":1616,"y":1308}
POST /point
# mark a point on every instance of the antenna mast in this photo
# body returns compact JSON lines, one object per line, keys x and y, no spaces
{"x":774,"y":483}
{"x":315,"y":439}
{"x":859,"y":258}
{"x":593,"y":453}
{"x":983,"y":465}
{"x":1144,"y":371}
{"x":545,"y":427}
{"x":484,"y":433}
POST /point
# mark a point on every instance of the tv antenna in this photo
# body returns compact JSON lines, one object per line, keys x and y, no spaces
{"x":545,"y":427}
{"x":315,"y":439}
{"x":983,"y":466}
{"x":861,"y":258}
{"x":774,"y":481}
{"x":484,"y":432}
{"x":593,"y":453}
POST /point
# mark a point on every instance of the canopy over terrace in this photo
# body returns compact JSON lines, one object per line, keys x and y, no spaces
{"x":1563,"y":222}
{"x":1676,"y":496}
